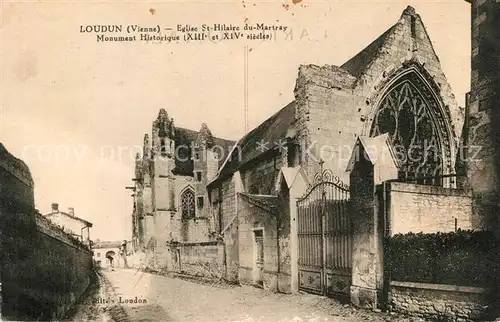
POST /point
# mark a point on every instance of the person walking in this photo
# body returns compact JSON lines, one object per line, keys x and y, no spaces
{"x":110,"y":258}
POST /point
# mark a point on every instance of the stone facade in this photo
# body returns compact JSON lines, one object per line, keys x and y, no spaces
{"x":353,"y":94}
{"x":170,"y":197}
{"x":333,"y":106}
{"x":102,"y":250}
{"x":429,"y":209}
{"x":261,"y":177}
{"x":483,"y":115}
{"x":264,"y":216}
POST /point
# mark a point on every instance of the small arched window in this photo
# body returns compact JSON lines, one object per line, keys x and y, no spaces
{"x":163,"y":149}
{"x":188,"y":204}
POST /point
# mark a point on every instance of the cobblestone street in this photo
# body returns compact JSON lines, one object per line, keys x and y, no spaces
{"x":128,"y":295}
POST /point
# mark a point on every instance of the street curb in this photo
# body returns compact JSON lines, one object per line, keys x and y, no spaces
{"x":116,"y":311}
{"x":220,"y":283}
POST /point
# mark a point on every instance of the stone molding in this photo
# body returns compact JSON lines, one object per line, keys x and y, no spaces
{"x":439,"y":287}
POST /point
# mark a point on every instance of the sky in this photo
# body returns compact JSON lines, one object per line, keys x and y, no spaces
{"x":76,"y":110}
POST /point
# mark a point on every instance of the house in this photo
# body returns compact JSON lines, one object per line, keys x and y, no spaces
{"x":394,"y":86}
{"x":75,"y":226}
{"x":170,"y":196}
{"x":108,"y":254}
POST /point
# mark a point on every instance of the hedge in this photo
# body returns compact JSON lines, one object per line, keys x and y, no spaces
{"x":467,"y":258}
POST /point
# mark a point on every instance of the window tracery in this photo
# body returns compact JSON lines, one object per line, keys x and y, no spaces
{"x":188,"y":204}
{"x":405,"y":114}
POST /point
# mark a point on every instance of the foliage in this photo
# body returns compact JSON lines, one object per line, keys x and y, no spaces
{"x":460,"y":258}
{"x":58,"y":228}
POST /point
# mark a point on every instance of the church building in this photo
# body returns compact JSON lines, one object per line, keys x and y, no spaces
{"x":395,"y":85}
{"x":170,"y":184}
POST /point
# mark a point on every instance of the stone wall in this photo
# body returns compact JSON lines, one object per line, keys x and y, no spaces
{"x":230,"y":229}
{"x":429,"y":209}
{"x":324,"y":94}
{"x":408,"y":41}
{"x":202,"y":259}
{"x":277,"y":266}
{"x":228,"y":201}
{"x":44,"y":270}
{"x":483,"y":117}
{"x":438,"y":302}
{"x":16,"y":184}
{"x":351,"y":94}
{"x":260,"y":178}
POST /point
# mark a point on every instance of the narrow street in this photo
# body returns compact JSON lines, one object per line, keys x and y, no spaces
{"x":128,"y":295}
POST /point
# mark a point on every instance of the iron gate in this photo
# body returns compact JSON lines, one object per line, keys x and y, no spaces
{"x":325,"y":237}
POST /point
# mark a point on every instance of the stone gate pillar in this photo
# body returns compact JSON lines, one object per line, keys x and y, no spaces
{"x":372,"y":163}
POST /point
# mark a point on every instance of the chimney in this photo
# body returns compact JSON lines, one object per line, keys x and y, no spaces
{"x":55,"y":207}
{"x":71,"y":211}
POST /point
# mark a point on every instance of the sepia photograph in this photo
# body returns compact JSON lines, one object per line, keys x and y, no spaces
{"x":218,"y":160}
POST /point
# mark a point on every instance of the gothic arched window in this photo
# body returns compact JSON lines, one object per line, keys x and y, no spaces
{"x":188,"y":204}
{"x":406,"y":115}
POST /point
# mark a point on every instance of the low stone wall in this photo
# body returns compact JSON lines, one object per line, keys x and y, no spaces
{"x":438,"y":301}
{"x":44,"y":271}
{"x":429,"y":209}
{"x":202,"y":259}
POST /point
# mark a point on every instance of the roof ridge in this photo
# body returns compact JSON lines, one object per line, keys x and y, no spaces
{"x":197,"y":132}
{"x":358,"y":63}
{"x":68,"y":215}
{"x":270,"y":129}
{"x":268,"y":120}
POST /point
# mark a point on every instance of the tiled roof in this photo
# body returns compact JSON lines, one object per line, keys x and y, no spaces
{"x":269,"y":132}
{"x":184,"y":137}
{"x":88,"y":223}
{"x":358,"y":64}
{"x":266,"y":202}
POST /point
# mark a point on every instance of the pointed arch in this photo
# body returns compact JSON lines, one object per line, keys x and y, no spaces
{"x":188,"y":203}
{"x":411,"y":111}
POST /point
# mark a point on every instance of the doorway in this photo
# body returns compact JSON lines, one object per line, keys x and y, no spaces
{"x":110,"y":256}
{"x":259,"y":257}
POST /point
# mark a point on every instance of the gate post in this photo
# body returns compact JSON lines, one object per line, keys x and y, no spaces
{"x":371,"y":162}
{"x":324,"y":276}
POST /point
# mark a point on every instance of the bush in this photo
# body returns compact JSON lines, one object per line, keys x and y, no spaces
{"x":461,"y":258}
